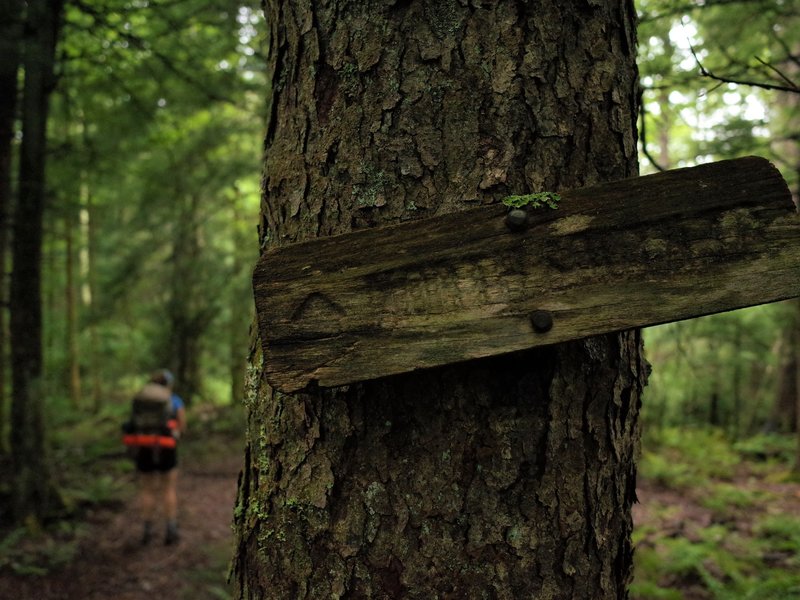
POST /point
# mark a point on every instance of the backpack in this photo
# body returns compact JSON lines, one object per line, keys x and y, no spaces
{"x":152,"y":422}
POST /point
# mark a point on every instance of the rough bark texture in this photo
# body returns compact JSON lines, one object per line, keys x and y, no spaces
{"x":508,"y":477}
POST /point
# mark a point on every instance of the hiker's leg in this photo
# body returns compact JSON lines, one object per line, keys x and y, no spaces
{"x":148,"y":486}
{"x":147,"y":503}
{"x":171,"y":495}
{"x":171,"y":505}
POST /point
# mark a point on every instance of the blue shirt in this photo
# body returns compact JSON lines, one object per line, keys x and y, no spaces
{"x":177,"y":404}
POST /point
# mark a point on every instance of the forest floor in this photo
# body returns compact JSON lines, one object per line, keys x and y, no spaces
{"x":710,"y":524}
{"x":111,"y":562}
{"x":707,"y":558}
{"x":717,"y":520}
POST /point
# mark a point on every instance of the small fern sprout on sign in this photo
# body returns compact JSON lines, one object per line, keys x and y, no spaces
{"x":537,"y":200}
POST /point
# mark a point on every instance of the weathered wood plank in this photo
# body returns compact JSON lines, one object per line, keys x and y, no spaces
{"x":633,"y":253}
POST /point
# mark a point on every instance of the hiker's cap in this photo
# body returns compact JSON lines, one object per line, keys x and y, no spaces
{"x":163,"y":377}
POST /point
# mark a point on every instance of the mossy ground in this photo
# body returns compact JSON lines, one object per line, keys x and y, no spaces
{"x":717,"y":520}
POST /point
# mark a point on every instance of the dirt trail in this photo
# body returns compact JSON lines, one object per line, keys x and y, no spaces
{"x":112,"y":563}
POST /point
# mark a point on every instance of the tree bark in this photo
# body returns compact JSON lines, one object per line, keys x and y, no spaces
{"x":31,"y":486}
{"x":509,"y":477}
{"x":10,"y":42}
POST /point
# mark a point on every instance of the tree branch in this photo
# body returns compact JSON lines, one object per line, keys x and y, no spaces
{"x":789,"y":56}
{"x":762,"y":85}
{"x":643,"y":132}
{"x":142,"y":44}
{"x":780,"y":74}
{"x":684,"y":8}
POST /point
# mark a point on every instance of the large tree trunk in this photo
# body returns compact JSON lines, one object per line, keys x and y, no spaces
{"x":501,"y":478}
{"x":31,"y":477}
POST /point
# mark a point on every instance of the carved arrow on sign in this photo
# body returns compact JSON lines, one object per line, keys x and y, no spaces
{"x":426,"y":293}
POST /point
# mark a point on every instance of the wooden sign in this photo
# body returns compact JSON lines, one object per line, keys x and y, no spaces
{"x":633,"y":253}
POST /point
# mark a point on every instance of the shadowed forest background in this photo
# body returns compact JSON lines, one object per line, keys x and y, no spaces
{"x":148,"y":186}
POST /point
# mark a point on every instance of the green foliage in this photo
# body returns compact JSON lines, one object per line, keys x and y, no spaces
{"x":537,"y":200}
{"x":681,"y":458}
{"x":710,"y":565}
{"x":648,"y":590}
{"x":209,"y":580}
{"x":156,"y":130}
{"x":37,"y":553}
{"x":679,"y":561}
{"x":94,"y":491}
{"x":782,"y":532}
{"x":727,"y":499}
{"x":214,"y":431}
{"x":691,"y":57}
{"x":768,"y":447}
{"x":719,"y":370}
{"x":747,"y":547}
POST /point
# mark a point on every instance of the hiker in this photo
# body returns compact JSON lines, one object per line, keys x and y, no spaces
{"x":158,"y":419}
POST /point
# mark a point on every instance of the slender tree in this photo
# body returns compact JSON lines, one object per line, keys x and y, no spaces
{"x":10,"y":43}
{"x":72,"y":352}
{"x":501,"y":478}
{"x":31,"y":476}
{"x":796,"y":305}
{"x":239,"y":306}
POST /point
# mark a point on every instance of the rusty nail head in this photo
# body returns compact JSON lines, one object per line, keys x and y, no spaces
{"x":542,"y":321}
{"x":517,"y":219}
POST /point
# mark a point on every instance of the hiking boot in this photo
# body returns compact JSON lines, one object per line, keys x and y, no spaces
{"x":172,"y":536}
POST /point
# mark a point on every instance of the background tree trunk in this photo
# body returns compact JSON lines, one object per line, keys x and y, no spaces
{"x":783,"y":417}
{"x":88,"y":273}
{"x":797,"y":384}
{"x":188,"y":318}
{"x":505,"y":478}
{"x":73,"y":379}
{"x":786,"y":126}
{"x":10,"y":42}
{"x":241,"y":315}
{"x":32,"y":482}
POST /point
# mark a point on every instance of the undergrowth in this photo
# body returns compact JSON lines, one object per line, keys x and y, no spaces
{"x":734,"y":533}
